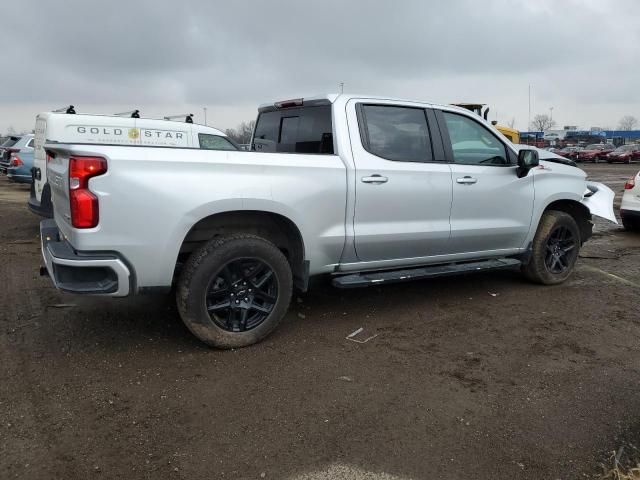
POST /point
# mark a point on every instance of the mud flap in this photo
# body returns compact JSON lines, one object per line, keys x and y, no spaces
{"x":598,"y":198}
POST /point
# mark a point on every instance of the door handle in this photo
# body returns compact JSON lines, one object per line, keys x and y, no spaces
{"x":467,"y":180}
{"x":376,"y":179}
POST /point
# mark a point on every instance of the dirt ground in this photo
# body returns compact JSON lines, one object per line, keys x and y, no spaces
{"x":483,"y":376}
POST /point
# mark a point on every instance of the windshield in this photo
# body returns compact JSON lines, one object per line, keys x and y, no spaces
{"x":626,"y":148}
{"x":595,"y":146}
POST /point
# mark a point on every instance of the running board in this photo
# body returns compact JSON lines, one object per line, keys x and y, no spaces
{"x":367,"y":279}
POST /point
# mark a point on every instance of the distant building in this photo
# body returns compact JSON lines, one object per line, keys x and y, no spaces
{"x":553,"y":137}
{"x":621,"y":137}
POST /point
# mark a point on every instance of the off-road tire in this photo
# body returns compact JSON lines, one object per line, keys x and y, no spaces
{"x":537,"y":270}
{"x":205,"y":263}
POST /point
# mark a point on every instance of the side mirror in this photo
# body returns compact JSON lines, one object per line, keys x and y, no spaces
{"x":527,"y":159}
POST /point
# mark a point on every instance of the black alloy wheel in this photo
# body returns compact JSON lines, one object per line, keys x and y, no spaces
{"x":561,"y":250}
{"x":242,"y":294}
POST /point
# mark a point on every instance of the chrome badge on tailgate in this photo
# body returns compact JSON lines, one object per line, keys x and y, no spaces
{"x":56,"y":180}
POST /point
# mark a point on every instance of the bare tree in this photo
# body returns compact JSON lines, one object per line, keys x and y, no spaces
{"x":628,"y":122}
{"x":512,"y":122}
{"x":541,"y":123}
{"x":11,"y":130}
{"x":242,"y":133}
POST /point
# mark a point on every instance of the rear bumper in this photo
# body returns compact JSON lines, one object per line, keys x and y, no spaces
{"x":81,"y":272}
{"x":630,"y":214}
{"x":19,"y":178}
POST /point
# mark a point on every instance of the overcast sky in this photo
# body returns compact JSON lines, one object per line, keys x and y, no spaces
{"x":581,"y":57}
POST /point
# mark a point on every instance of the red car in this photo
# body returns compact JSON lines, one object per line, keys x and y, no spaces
{"x":595,"y":152}
{"x":569,"y":152}
{"x":624,"y":154}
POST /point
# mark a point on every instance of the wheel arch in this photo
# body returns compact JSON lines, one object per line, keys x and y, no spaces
{"x":277,"y":228}
{"x":578,"y":211}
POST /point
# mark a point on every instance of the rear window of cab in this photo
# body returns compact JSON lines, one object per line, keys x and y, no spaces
{"x":295,"y":130}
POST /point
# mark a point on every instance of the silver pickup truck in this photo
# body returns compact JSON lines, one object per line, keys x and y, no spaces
{"x":366,"y":190}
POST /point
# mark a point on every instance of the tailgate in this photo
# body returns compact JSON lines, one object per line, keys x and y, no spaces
{"x":40,"y":157}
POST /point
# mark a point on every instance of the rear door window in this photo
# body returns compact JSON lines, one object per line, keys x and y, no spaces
{"x":215,"y":142}
{"x":295,"y":130}
{"x":396,"y":133}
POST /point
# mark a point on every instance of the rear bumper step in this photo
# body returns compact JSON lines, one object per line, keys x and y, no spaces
{"x":394,"y":276}
{"x":79,"y":272}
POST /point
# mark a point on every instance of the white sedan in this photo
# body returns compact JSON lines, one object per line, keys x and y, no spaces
{"x":630,"y":208}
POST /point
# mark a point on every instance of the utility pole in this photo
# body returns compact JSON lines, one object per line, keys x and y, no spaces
{"x":341,"y":87}
{"x":205,"y":115}
{"x":529,"y":120}
{"x":551,"y":114}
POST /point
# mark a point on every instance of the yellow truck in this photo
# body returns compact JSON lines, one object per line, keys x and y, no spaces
{"x":478,"y":108}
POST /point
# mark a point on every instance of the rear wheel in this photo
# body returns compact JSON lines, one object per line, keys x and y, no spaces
{"x":555,"y":249}
{"x":234,"y":291}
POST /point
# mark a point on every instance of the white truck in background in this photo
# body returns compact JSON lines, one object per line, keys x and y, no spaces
{"x":365,"y":190}
{"x":90,"y":129}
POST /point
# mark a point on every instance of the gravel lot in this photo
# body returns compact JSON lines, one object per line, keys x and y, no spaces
{"x":483,"y":376}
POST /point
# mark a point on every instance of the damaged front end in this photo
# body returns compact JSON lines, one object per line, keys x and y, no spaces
{"x":598,"y":198}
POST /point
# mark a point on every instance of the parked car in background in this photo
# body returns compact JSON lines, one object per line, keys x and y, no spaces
{"x":15,"y":145}
{"x":8,"y":143}
{"x":595,"y":152}
{"x":624,"y":154}
{"x":569,"y":152}
{"x":20,"y":165}
{"x":630,"y":207}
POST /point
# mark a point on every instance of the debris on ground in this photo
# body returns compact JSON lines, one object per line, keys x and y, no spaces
{"x":352,"y":336}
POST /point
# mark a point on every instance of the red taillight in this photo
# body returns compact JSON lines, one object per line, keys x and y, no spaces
{"x":16,"y":161}
{"x":630,"y":183}
{"x":84,"y":204}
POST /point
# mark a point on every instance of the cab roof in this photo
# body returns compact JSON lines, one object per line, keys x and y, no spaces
{"x":330,"y":98}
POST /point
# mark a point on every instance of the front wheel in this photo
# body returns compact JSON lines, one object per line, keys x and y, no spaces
{"x":234,"y":290}
{"x":555,"y":249}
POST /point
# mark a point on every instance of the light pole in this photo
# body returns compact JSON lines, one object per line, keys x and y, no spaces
{"x":529,"y":119}
{"x":205,"y":115}
{"x":551,"y":114}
